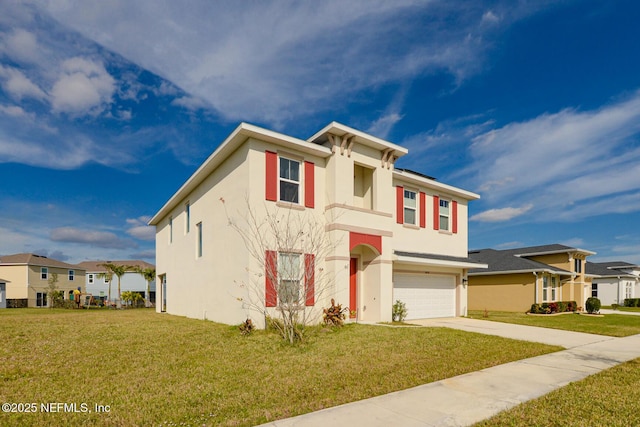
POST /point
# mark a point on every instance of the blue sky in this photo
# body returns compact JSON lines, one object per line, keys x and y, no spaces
{"x":106,"y":108}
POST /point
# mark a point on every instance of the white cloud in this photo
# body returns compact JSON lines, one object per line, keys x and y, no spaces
{"x":140,"y":230}
{"x":276,"y":61}
{"x":20,"y":86}
{"x":103,"y":239}
{"x":84,"y":87}
{"x":570,"y":164}
{"x":502,"y":214}
{"x":20,"y":45}
{"x":190,"y":103}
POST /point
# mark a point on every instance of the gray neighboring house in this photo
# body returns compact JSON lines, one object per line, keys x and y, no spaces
{"x":613,"y":282}
{"x":3,"y":293}
{"x":98,"y":285}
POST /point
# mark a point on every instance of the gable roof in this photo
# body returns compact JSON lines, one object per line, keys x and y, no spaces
{"x":505,"y":262}
{"x":34,"y":259}
{"x":96,"y":266}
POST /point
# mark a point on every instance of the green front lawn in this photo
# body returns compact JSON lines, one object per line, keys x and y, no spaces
{"x":609,"y":398}
{"x":615,"y":325}
{"x":620,"y":308}
{"x":155,"y":369}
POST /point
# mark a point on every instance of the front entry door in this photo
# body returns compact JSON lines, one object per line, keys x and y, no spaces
{"x":353,"y":285}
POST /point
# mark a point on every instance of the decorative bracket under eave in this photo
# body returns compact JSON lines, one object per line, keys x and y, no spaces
{"x":388,"y":158}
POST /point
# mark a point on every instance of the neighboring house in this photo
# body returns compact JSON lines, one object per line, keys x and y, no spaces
{"x":3,"y":293}
{"x":518,"y":278}
{"x":28,"y":278}
{"x":398,"y":234}
{"x":613,"y":282}
{"x":97,"y":282}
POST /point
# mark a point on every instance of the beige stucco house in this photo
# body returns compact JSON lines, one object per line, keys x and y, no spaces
{"x":28,"y":275}
{"x":397,"y":234}
{"x":517,"y":278}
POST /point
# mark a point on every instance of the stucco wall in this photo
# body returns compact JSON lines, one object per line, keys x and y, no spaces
{"x":507,"y":292}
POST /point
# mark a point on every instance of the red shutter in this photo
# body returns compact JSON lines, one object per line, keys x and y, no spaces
{"x":309,"y":185}
{"x":309,"y":278}
{"x":423,"y":210}
{"x":436,"y":213}
{"x":271,"y":278}
{"x":454,"y":216}
{"x":271,"y":176}
{"x":400,"y":205}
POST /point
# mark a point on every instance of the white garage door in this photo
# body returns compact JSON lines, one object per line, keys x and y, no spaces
{"x":425,"y":295}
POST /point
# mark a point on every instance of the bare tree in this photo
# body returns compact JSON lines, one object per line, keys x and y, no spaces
{"x":289,"y":248}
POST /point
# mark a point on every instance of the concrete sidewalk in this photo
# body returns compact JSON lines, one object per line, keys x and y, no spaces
{"x":609,"y":311}
{"x":473,"y":397}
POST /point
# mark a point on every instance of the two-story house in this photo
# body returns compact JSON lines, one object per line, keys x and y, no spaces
{"x":517,"y":278}
{"x":614,"y":281}
{"x":28,"y":277}
{"x":396,"y":234}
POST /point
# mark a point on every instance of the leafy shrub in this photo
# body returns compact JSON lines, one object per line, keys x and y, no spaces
{"x":399,"y":311}
{"x":334,"y":315}
{"x":553,"y":307}
{"x":562,"y":306}
{"x":632,"y":302}
{"x":592,"y":305}
{"x":615,"y":306}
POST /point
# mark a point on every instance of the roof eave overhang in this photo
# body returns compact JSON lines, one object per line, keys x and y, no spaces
{"x":339,"y":129}
{"x":541,"y":270}
{"x":403,"y":259}
{"x":241,"y":134}
{"x":557,"y":251}
{"x":435,"y":185}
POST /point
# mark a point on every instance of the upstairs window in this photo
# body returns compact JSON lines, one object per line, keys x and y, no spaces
{"x":170,"y":229}
{"x":410,"y":207}
{"x":289,"y":180}
{"x":444,"y":215}
{"x":577,"y":265}
{"x":199,"y":247}
{"x":44,"y":273}
{"x":187,"y":214}
{"x":72,"y":275}
{"x":90,"y":279}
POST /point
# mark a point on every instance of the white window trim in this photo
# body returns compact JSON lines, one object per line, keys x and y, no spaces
{"x":282,"y":277}
{"x":440,"y":214}
{"x":199,"y":238}
{"x":170,"y":230}
{"x":187,"y":218}
{"x":298,"y":183}
{"x":72,"y":275}
{"x":44,"y":273}
{"x":413,"y":208}
{"x":90,"y":278}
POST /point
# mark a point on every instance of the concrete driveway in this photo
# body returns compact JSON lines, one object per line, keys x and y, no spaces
{"x":566,"y":339}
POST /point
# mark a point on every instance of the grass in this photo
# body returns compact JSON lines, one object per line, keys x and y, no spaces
{"x":614,"y":325}
{"x":622,"y":308}
{"x":155,"y":369}
{"x":609,"y":398}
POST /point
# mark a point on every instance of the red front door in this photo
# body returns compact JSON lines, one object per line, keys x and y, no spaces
{"x":353,"y":281}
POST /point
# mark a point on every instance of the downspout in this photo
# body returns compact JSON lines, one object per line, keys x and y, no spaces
{"x":535,"y":273}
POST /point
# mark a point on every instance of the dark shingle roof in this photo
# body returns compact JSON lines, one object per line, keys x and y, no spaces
{"x":508,"y":261}
{"x":608,"y":269}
